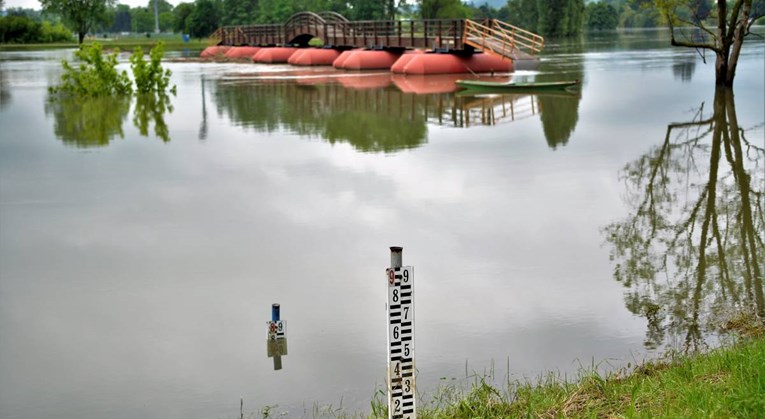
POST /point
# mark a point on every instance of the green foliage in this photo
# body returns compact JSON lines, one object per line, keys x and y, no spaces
{"x":727,"y":382}
{"x":181,"y":15}
{"x":150,"y":77}
{"x":560,"y":17}
{"x":122,"y":20}
{"x":601,"y":16}
{"x":274,"y":11}
{"x":95,"y":76}
{"x":644,"y":17}
{"x":19,"y":30}
{"x":443,"y":9}
{"x":79,"y":15}
{"x":523,"y":13}
{"x":25,"y":30}
{"x":239,"y":12}
{"x":203,"y":20}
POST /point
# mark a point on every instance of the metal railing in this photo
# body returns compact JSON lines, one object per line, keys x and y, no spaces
{"x":492,"y":36}
{"x":502,"y":39}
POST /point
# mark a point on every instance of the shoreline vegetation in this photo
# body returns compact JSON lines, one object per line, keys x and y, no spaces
{"x":124,"y":44}
{"x":728,"y":381}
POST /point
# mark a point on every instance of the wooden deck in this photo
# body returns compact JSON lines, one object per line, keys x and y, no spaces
{"x":335,"y":31}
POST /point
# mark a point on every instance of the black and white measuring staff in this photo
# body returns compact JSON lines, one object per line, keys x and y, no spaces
{"x":401,"y":367}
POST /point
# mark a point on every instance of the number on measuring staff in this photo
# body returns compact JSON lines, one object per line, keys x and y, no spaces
{"x":401,"y":369}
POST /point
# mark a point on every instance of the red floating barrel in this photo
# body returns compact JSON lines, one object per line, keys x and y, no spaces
{"x":403,"y":60}
{"x":452,"y":64}
{"x":274,"y":55}
{"x":338,"y":63}
{"x":314,"y":56}
{"x":214,"y":52}
{"x":369,"y":60}
{"x":241,"y":53}
{"x":487,"y":63}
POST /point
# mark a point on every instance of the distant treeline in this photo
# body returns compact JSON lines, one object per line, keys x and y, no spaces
{"x":201,"y":17}
{"x":25,"y":26}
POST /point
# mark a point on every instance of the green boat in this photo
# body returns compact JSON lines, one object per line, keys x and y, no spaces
{"x":498,"y":87}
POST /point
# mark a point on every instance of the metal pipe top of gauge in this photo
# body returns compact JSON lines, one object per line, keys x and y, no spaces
{"x":396,"y":256}
{"x":275,"y":315}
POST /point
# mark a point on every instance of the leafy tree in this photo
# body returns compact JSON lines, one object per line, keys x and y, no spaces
{"x":523,"y":13}
{"x":122,"y":19}
{"x":601,"y":16}
{"x":80,"y":15}
{"x":560,"y":17}
{"x":22,"y":30}
{"x":142,"y":19}
{"x":181,"y":15}
{"x":204,"y":19}
{"x":19,"y":29}
{"x":239,"y":12}
{"x":732,"y":23}
{"x":369,"y":10}
{"x":443,"y":9}
{"x":548,"y":17}
{"x":274,"y":11}
{"x":640,"y":17}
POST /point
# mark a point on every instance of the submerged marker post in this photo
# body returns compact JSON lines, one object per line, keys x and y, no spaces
{"x":401,"y":370}
{"x":276,"y":345}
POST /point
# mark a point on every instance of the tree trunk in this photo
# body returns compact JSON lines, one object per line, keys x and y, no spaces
{"x":81,"y":37}
{"x":739,"y":32}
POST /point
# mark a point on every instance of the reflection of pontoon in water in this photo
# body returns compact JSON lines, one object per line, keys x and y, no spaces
{"x":367,"y":111}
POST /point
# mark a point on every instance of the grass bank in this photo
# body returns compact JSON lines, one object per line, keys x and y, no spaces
{"x":726,"y":382}
{"x":172,"y":43}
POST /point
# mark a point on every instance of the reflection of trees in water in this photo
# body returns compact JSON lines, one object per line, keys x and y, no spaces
{"x":559,"y":117}
{"x":86,"y":122}
{"x":370,"y":120}
{"x":692,"y":249}
{"x":560,"y":114}
{"x":5,"y":93}
{"x":382,"y":119}
{"x":684,"y":68}
{"x":150,"y":107}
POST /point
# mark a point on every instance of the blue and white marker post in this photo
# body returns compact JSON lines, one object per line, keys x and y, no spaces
{"x":277,"y":337}
{"x":401,"y":369}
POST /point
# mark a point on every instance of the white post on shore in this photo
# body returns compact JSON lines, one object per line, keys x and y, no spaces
{"x":401,"y":368}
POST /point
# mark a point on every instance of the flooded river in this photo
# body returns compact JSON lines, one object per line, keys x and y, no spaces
{"x":143,"y":241}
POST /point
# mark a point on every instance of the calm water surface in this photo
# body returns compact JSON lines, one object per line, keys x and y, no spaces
{"x":143,"y":241}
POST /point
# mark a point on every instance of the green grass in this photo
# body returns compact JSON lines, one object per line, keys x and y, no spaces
{"x":127,"y":43}
{"x":727,"y":382}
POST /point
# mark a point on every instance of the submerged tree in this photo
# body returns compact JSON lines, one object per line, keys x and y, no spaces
{"x":732,"y":22}
{"x":693,"y":247}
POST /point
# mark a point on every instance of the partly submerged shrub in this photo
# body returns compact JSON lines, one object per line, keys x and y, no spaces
{"x":96,"y":75}
{"x":149,"y":76}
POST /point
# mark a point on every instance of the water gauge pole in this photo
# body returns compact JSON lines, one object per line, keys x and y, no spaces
{"x":401,"y":387}
{"x":276,"y":345}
